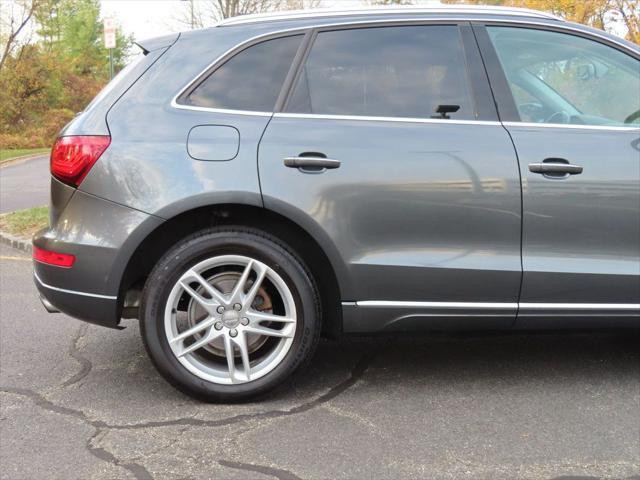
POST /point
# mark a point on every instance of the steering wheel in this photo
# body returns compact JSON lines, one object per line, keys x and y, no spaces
{"x":559,"y":117}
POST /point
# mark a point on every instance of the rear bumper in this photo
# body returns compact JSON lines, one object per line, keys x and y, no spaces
{"x":48,"y":306}
{"x":92,"y":308}
{"x":103,"y":236}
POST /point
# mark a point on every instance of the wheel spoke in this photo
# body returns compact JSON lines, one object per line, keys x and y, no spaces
{"x":286,"y":332}
{"x":208,"y":305}
{"x":230,"y":354}
{"x":217,"y":298}
{"x":241,"y":342}
{"x":251,"y":295}
{"x":238,"y":290}
{"x":198,"y":327}
{"x":211,"y":335}
{"x":222,"y":338}
{"x":258,"y":317}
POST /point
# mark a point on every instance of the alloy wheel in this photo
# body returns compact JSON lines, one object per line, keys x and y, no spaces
{"x":230,"y":319}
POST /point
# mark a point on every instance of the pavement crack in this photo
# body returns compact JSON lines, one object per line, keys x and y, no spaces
{"x":249,"y":467}
{"x":48,"y":405}
{"x":356,"y":373}
{"x":74,"y":352}
{"x":138,"y":471}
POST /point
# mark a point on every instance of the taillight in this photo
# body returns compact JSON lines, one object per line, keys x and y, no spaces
{"x":53,"y":258}
{"x":72,"y":157}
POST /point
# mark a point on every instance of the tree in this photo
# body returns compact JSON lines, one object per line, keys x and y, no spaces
{"x":204,"y":13}
{"x":45,"y":81}
{"x":390,"y":2}
{"x":596,"y":13}
{"x":72,"y":30}
{"x":13,"y":22}
{"x":629,"y":12}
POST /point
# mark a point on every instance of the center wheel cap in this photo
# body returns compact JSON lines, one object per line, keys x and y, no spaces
{"x":230,"y":318}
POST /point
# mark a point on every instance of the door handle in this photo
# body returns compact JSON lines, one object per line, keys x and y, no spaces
{"x":555,"y":168}
{"x":313,"y":164}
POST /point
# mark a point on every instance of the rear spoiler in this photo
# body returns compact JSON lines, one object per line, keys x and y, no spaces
{"x":156,"y":43}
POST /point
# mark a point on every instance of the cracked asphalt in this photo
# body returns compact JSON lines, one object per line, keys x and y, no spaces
{"x":84,"y":402}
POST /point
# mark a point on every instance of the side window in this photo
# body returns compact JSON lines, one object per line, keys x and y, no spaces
{"x":250,"y":80}
{"x":561,"y":78}
{"x":385,"y":71}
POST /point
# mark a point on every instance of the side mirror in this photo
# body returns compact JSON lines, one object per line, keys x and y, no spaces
{"x":593,"y":68}
{"x":586,"y":71}
{"x":444,"y":110}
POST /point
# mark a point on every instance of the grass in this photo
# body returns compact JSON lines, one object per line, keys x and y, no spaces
{"x":24,"y":223}
{"x":7,"y":154}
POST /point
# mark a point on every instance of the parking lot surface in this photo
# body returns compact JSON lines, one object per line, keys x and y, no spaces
{"x":81,"y":401}
{"x":25,"y":184}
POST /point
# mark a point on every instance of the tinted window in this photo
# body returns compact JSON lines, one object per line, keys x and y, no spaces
{"x":251,"y":80}
{"x":388,"y":72}
{"x":561,"y":78}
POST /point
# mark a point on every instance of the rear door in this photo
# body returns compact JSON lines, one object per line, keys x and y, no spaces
{"x":572,"y":106}
{"x":388,"y":149}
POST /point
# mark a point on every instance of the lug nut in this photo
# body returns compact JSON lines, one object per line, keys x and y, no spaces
{"x":233,"y":333}
{"x":218,"y":326}
{"x":244,"y":321}
{"x":220,"y":309}
{"x":237,"y":306}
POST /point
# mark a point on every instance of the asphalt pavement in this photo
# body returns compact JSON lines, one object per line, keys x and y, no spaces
{"x":24,"y":184}
{"x":84,"y":402}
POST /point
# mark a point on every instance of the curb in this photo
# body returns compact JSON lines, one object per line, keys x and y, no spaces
{"x":22,"y":159}
{"x":15,"y":242}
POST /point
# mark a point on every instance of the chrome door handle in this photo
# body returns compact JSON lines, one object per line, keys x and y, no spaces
{"x":555,"y":168}
{"x":311,"y":163}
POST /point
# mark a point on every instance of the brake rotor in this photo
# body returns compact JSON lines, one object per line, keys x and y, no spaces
{"x":225,"y":282}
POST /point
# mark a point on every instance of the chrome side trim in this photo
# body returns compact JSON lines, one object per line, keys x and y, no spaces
{"x":219,"y":110}
{"x":73,"y":292}
{"x":495,"y":306}
{"x":581,"y":306}
{"x":381,"y":21}
{"x":384,"y":119}
{"x":571,"y":126}
{"x":320,"y":13}
{"x":383,"y":303}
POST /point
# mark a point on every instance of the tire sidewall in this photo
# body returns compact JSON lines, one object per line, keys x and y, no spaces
{"x":216,"y":242}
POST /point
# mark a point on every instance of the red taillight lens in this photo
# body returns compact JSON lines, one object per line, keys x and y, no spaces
{"x":53,"y":258}
{"x":72,"y":157}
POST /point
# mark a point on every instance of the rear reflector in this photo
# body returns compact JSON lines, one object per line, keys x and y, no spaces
{"x":72,"y":157}
{"x":53,"y":258}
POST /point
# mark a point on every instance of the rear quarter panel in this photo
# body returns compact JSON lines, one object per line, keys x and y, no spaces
{"x":147,"y":166}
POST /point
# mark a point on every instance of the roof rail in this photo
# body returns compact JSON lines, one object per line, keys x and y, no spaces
{"x":318,"y":13}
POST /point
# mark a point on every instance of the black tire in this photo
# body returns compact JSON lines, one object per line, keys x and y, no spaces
{"x":237,"y":241}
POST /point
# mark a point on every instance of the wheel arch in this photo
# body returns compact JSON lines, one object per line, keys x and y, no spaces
{"x":314,"y":248}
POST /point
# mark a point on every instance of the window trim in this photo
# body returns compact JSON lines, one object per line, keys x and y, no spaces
{"x":476,"y":24}
{"x":471,"y":77}
{"x":574,"y":126}
{"x":222,"y":60}
{"x":294,"y":72}
{"x":307,"y":31}
{"x":510,"y":116}
{"x":366,"y":118}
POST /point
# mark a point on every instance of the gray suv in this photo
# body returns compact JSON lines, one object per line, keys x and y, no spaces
{"x":245,"y":189}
